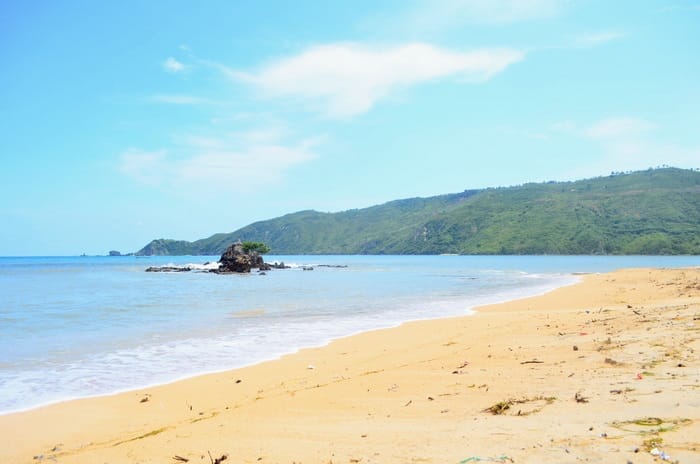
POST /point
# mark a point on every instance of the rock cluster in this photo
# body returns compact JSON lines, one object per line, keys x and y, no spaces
{"x":235,"y":260}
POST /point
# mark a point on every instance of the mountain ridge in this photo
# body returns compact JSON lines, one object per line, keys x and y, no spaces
{"x":656,"y":211}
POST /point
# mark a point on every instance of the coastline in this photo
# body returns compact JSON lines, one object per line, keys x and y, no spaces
{"x":418,"y":392}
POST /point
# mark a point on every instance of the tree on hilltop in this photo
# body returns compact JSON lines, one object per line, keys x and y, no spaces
{"x":258,"y":247}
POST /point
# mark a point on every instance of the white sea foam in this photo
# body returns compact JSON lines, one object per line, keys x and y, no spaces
{"x":128,"y":329}
{"x":208,"y":266}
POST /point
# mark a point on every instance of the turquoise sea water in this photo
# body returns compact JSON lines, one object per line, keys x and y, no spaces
{"x":82,"y":326}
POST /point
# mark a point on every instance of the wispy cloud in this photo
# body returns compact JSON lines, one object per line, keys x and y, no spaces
{"x":618,"y":127}
{"x":217,"y":164}
{"x":694,"y":7}
{"x":432,"y":15}
{"x":625,"y":143}
{"x":615,"y":127}
{"x":642,"y":153}
{"x":348,"y":78}
{"x":179,"y":100}
{"x":254,"y":167}
{"x":143,"y":166}
{"x":172,"y":65}
{"x":567,"y":127}
{"x":598,"y":38}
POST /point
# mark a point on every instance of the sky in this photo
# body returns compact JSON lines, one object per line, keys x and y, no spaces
{"x":122,"y":122}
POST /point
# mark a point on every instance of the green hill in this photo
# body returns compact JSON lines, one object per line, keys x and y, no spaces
{"x":648,"y":212}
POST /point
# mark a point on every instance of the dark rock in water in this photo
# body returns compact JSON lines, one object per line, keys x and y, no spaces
{"x":168,"y":269}
{"x":236,"y":260}
{"x":277,"y":265}
{"x":307,"y":268}
{"x":265,"y":267}
{"x":114,"y":253}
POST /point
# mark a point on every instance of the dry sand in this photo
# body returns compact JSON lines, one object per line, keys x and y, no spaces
{"x":602,"y":371}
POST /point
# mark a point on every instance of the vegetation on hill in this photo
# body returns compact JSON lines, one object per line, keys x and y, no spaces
{"x":647,"y":212}
{"x":255,"y":247}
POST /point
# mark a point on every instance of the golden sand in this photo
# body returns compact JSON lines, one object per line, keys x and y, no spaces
{"x":603,"y":371}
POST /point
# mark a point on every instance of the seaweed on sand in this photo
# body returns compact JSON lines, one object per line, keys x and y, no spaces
{"x":539,"y":402}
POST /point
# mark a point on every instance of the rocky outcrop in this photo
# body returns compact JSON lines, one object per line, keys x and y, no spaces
{"x":236,"y":260}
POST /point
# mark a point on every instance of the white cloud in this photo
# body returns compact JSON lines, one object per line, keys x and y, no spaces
{"x":618,"y":127}
{"x":591,"y":40}
{"x":216,"y":164}
{"x":173,"y":66}
{"x":348,"y":79}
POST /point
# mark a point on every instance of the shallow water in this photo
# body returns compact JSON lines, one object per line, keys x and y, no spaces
{"x":83,"y":326}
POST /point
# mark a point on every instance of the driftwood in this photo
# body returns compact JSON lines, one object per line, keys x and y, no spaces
{"x":218,"y":460}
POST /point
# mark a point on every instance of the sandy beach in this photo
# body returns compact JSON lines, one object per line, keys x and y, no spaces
{"x":606,"y":370}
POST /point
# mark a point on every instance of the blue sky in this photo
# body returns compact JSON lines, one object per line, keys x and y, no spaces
{"x":121,"y":122}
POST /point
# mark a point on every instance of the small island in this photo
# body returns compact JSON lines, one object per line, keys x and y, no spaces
{"x":241,"y":257}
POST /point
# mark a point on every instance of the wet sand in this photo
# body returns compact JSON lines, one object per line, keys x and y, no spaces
{"x":602,"y":371}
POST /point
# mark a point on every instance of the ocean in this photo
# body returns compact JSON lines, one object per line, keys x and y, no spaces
{"x":73,"y":327}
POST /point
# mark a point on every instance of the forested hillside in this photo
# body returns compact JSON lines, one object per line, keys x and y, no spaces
{"x":647,"y":212}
